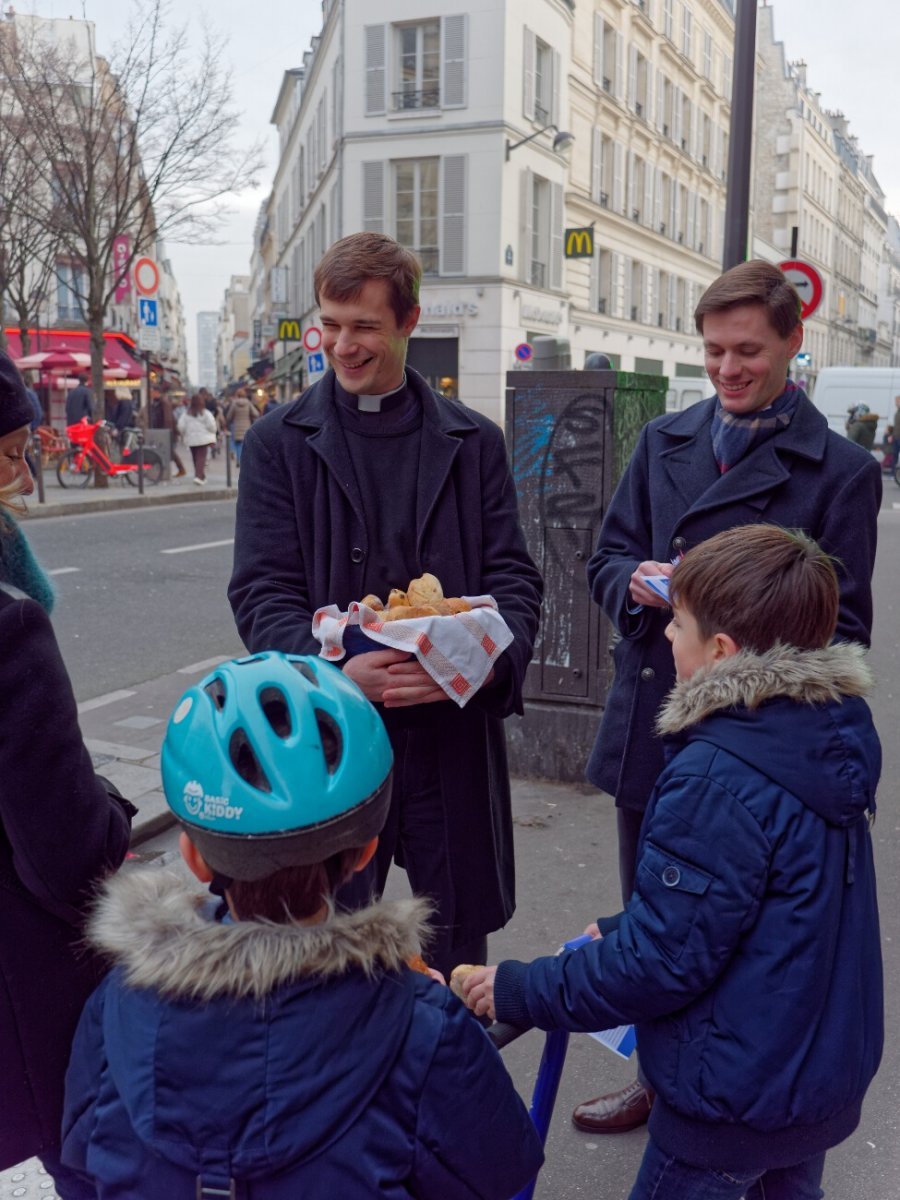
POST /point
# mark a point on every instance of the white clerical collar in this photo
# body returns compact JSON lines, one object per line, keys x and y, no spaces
{"x":372,"y":404}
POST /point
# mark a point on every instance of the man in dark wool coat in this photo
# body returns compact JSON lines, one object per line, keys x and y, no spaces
{"x":756,"y":451}
{"x":364,"y":482}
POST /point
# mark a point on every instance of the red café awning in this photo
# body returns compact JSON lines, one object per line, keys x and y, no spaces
{"x":116,"y":346}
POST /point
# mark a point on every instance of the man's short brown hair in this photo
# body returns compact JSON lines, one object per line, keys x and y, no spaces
{"x":762,"y":585}
{"x":753,"y":282}
{"x":349,"y":264}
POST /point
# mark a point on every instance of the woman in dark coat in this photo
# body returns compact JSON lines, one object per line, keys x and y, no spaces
{"x":61,"y":830}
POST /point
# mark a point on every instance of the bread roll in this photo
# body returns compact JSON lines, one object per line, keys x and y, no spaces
{"x":425,"y":590}
{"x":406,"y":612}
{"x":373,"y":602}
{"x":456,"y":604}
{"x":397,"y":598}
{"x":458,"y":974}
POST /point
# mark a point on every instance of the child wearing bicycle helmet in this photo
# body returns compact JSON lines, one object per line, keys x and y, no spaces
{"x":258,"y":1043}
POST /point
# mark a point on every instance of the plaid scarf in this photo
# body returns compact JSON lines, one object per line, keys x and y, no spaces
{"x":735,"y":434}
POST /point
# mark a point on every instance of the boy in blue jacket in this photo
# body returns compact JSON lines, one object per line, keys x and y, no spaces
{"x":749,"y":954}
{"x":263,"y":1046}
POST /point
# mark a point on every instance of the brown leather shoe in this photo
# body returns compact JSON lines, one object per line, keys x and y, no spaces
{"x":617,"y":1112}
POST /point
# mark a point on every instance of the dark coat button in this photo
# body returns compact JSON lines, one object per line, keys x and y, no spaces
{"x":357,"y":555}
{"x":671,"y":876}
{"x":648,"y":673}
{"x":678,"y":544}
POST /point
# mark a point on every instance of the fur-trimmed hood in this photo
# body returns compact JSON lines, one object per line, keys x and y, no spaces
{"x":796,"y":717}
{"x":248,"y":1042}
{"x":156,"y":927}
{"x":747,"y":680}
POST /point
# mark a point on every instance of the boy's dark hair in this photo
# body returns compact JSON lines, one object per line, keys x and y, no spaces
{"x":753,"y":282}
{"x":349,"y":264}
{"x":761,"y":585}
{"x":292,"y":892}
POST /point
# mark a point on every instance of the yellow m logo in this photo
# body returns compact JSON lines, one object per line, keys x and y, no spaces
{"x":580,"y":243}
{"x":289,"y":329}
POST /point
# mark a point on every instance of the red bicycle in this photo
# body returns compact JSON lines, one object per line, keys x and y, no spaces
{"x":77,"y":466}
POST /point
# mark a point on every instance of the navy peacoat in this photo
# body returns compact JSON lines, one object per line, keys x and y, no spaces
{"x":672,"y":497}
{"x":301,"y":543}
{"x":60,"y":832}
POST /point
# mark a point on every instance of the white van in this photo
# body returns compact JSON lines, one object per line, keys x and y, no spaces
{"x":683,"y":392}
{"x":838,"y":389}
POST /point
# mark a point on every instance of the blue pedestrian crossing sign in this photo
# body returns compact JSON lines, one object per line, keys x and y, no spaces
{"x":315,"y":363}
{"x":149,"y":312}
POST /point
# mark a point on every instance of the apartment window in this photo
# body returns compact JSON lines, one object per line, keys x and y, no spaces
{"x":538,"y":274}
{"x":605,"y":56}
{"x":668,"y":109}
{"x":71,"y":287}
{"x":668,"y":19}
{"x":416,"y":209}
{"x":662,"y":315}
{"x":543,"y":82}
{"x":637,"y":291}
{"x":726,"y":76}
{"x":604,"y":282}
{"x":419,"y":66}
{"x":639,"y":85}
{"x":707,"y":54}
{"x":664,"y":202}
{"x":687,"y":31}
{"x":606,"y":171}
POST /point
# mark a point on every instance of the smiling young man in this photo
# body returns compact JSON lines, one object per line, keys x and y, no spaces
{"x":756,"y":451}
{"x":365,"y":481}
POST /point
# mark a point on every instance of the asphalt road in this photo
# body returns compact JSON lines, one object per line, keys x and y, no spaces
{"x":132,"y":613}
{"x":140,"y":592}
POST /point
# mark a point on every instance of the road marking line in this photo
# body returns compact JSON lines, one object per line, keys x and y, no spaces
{"x":63,"y":570}
{"x":199,"y":667}
{"x":99,"y":701}
{"x":199,"y":546}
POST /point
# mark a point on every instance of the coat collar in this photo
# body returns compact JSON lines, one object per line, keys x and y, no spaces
{"x":154,"y":926}
{"x":444,"y":424}
{"x":693,"y":475}
{"x":747,"y":680}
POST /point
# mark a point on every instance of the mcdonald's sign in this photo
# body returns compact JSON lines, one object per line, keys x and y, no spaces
{"x":289,"y":330}
{"x":580,"y":242}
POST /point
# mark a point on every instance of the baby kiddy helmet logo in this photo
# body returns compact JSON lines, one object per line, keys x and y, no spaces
{"x":208,"y":808}
{"x":193,"y":797}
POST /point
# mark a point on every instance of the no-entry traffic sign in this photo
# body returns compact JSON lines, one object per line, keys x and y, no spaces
{"x":312,"y":339}
{"x":808,"y":282}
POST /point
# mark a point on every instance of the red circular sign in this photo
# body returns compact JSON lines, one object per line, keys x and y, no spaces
{"x":808,"y":282}
{"x":146,"y":277}
{"x":523,"y":352}
{"x":312,"y":339}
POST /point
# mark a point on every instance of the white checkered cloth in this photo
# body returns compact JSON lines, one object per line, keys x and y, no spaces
{"x":458,"y":652}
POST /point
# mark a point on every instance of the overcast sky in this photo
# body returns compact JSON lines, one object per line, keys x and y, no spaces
{"x":851,"y":51}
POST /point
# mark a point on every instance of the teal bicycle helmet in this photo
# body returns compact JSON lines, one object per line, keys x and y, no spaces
{"x":276,"y":760}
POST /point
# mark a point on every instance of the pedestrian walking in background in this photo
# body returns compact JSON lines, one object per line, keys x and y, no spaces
{"x":79,"y":402}
{"x":239,"y":416}
{"x":62,"y":829}
{"x":162,"y":416}
{"x":759,"y":447}
{"x":197,"y":427}
{"x":120,"y":412}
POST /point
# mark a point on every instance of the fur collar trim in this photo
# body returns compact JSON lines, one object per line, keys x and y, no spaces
{"x":747,"y":680}
{"x":154,"y":925}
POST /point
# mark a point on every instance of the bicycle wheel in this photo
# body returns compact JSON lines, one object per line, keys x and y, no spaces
{"x":897,"y":474}
{"x":74,"y":469}
{"x":153,"y":469}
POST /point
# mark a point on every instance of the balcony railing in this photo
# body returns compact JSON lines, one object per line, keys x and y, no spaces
{"x":413,"y":98}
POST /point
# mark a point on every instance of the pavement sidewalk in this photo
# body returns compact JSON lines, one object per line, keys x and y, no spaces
{"x":59,"y":501}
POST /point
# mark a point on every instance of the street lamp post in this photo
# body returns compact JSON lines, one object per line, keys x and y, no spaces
{"x":562,"y":140}
{"x":740,"y":149}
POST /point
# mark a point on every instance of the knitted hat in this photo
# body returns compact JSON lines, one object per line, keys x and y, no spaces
{"x":15,"y":407}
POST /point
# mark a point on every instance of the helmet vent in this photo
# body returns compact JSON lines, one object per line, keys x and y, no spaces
{"x":215,"y":689}
{"x":245,"y":762}
{"x":332,"y":741}
{"x":276,"y":711}
{"x":307,"y":672}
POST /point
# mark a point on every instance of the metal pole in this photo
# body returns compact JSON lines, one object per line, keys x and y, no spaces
{"x":740,"y":150}
{"x":140,"y":461}
{"x":36,"y":455}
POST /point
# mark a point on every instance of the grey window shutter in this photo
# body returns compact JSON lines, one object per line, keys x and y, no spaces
{"x":658,"y":218}
{"x":647,"y":210}
{"x":373,"y":197}
{"x":596,"y":165}
{"x":654,"y":298}
{"x":556,"y":235}
{"x":618,"y":198}
{"x":630,"y":188}
{"x":677,"y":113}
{"x":673,"y":300}
{"x":453,"y":61}
{"x":594,"y":281}
{"x":376,"y":69}
{"x":453,"y":215}
{"x":337,"y":89}
{"x":660,"y":101}
{"x":619,"y":83}
{"x":626,"y":288}
{"x":528,"y":76}
{"x":526,"y":187}
{"x":691,"y":235}
{"x":556,"y":84}
{"x":334,"y":221}
{"x":632,"y":76}
{"x":615,"y":302}
{"x":598,"y":49}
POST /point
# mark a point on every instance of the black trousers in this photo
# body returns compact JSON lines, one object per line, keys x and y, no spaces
{"x":415,"y":838}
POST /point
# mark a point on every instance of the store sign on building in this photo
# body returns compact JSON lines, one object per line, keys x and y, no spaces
{"x":289,"y":329}
{"x":121,"y":255}
{"x":533,"y":313}
{"x":456,"y":308}
{"x":579,"y":243}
